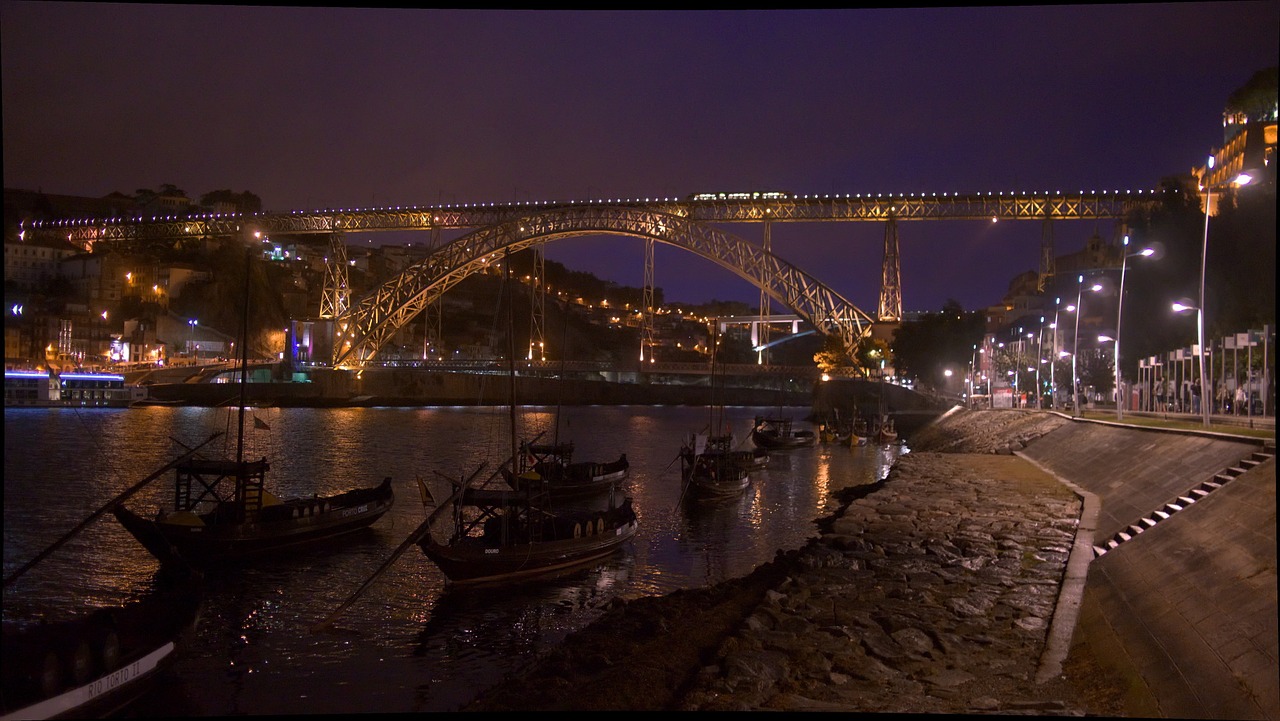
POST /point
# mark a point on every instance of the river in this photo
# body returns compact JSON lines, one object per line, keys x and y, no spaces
{"x":409,"y":643}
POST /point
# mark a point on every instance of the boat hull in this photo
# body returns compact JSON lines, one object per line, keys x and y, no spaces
{"x":776,"y":442}
{"x":187,"y":539}
{"x":97,"y":665}
{"x":574,"y":480}
{"x":478,"y":559}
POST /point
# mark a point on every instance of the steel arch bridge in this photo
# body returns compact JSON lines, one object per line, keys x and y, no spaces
{"x":681,"y":222}
{"x":364,"y":327}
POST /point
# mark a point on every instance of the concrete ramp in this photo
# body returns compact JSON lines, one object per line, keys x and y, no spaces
{"x":1189,"y":608}
{"x":1134,"y":471}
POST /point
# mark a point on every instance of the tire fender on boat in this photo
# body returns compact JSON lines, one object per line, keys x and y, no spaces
{"x":109,"y":650}
{"x":577,"y":530}
{"x":81,"y":662}
{"x":50,"y":674}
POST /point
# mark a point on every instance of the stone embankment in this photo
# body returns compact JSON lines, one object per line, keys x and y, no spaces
{"x":931,"y":594}
{"x":931,"y":591}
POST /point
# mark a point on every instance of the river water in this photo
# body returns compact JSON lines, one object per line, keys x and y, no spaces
{"x":408,"y":643}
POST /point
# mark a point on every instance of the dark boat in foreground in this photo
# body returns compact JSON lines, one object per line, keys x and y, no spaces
{"x":777,"y":434}
{"x":96,"y":664}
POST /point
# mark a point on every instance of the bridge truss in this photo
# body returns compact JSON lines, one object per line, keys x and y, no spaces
{"x":376,"y":317}
{"x":362,"y":328}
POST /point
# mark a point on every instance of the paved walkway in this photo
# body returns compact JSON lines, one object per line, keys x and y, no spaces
{"x":1187,"y":609}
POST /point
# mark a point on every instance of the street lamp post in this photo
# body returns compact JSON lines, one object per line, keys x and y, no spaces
{"x":1075,"y":343}
{"x":1145,"y":252}
{"x":191,"y":338}
{"x":1204,"y":259}
{"x":1053,"y":358}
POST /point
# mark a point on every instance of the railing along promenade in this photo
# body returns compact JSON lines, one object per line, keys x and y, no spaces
{"x":1047,"y":205}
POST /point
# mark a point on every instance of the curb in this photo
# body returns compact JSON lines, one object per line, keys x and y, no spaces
{"x":1071,"y":593}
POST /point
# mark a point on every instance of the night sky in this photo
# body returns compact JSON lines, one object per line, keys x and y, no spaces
{"x":311,"y":107}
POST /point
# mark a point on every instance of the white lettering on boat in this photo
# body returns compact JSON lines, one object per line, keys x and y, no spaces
{"x":77,"y":697}
{"x":356,"y":510}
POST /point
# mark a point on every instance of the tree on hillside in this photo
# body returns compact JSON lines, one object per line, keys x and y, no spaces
{"x":1256,"y":99}
{"x":926,"y":348}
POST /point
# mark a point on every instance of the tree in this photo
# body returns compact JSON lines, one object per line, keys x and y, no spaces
{"x":832,"y":355}
{"x":1256,"y":99}
{"x":924,"y":349}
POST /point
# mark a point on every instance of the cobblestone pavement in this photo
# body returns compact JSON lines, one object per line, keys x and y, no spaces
{"x":933,"y":593}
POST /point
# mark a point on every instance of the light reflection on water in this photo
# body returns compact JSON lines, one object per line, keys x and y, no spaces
{"x":409,"y":643}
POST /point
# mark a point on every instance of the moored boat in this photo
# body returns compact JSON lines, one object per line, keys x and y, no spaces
{"x":778,"y":434}
{"x":233,"y":517}
{"x":222,"y":510}
{"x":96,"y":664}
{"x":710,"y":470}
{"x":551,"y":467}
{"x":505,"y":535}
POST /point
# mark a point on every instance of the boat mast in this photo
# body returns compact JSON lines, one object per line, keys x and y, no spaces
{"x":244,"y":357}
{"x":511,"y":354}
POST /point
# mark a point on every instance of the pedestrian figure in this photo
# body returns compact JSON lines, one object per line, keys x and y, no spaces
{"x":1240,"y":399}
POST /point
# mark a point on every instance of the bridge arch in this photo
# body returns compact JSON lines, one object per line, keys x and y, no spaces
{"x":369,"y":323}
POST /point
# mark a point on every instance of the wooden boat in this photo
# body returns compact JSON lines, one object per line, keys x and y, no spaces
{"x":222,"y":510}
{"x":96,"y":664}
{"x":710,"y":470}
{"x":885,"y":431}
{"x":223,"y":513}
{"x":861,"y":435}
{"x":504,"y":534}
{"x":777,"y":434}
{"x":551,"y":466}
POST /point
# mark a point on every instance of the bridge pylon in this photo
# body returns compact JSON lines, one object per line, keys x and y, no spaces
{"x":762,"y":354}
{"x":538,"y":306}
{"x":1047,"y":263}
{"x":647,"y":340}
{"x":890,"y":276}
{"x":336,"y":296}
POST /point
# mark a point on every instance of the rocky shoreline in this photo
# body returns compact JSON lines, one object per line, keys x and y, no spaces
{"x":932,"y":591}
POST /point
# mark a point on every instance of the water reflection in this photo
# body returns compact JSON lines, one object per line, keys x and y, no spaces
{"x":409,"y":644}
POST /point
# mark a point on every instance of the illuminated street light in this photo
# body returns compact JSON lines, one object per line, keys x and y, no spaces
{"x":1057,"y":355}
{"x":1145,"y":252}
{"x":1075,"y":343}
{"x":1240,"y":179}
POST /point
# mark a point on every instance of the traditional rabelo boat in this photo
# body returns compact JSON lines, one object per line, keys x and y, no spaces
{"x":710,"y":469}
{"x":885,"y":430}
{"x":94,"y":665}
{"x":222,"y":510}
{"x":776,"y":433}
{"x":97,"y":661}
{"x":504,"y":533}
{"x":550,"y":467}
{"x":861,"y":435}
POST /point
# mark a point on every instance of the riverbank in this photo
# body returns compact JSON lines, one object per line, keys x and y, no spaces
{"x":958,"y":585}
{"x":931,"y":591}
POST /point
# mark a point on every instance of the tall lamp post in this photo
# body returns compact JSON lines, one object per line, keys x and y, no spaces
{"x":1178,"y":308}
{"x":1240,"y":179}
{"x":191,"y":338}
{"x":1075,"y":343}
{"x":1053,"y":358}
{"x":1125,"y":255}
